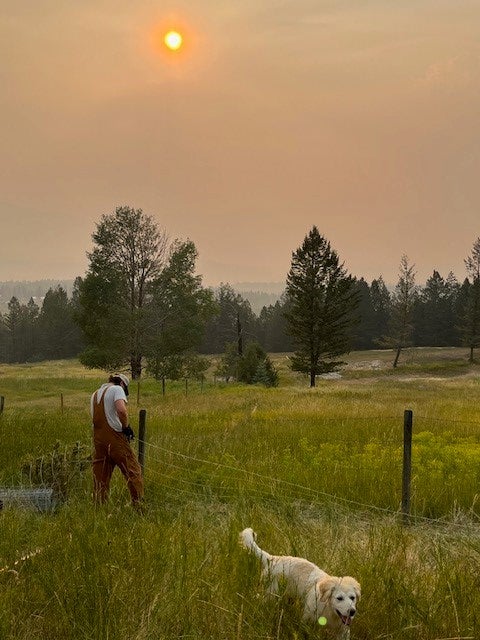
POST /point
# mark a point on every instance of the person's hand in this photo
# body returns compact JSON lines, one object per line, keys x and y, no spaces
{"x":128,"y":433}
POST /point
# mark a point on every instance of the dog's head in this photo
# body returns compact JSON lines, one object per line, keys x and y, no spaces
{"x":340,"y":596}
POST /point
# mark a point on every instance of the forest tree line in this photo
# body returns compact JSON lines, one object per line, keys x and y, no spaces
{"x":31,"y":332}
{"x":142,"y":307}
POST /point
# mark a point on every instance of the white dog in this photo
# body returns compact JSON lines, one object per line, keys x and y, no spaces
{"x":326,"y":599}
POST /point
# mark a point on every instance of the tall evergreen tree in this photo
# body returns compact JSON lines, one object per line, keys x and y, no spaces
{"x":433,"y":312}
{"x":4,"y":340}
{"x":322,"y":304}
{"x":401,"y":319}
{"x":21,"y":326}
{"x":381,"y":305}
{"x":452,"y":287}
{"x":460,"y":307}
{"x":234,"y":321}
{"x":59,"y":335}
{"x":272,"y":331}
{"x":470,"y":322}
{"x":364,"y":331}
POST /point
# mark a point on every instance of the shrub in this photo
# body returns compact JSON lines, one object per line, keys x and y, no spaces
{"x":62,"y":469}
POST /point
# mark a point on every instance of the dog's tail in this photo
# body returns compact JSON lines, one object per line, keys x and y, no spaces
{"x":247,"y":540}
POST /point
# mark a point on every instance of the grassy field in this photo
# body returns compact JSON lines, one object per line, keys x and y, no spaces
{"x":315,"y":472}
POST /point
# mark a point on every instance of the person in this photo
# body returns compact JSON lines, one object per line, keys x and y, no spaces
{"x":111,"y":440}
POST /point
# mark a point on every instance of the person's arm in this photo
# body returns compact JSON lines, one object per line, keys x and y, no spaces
{"x":122,"y":412}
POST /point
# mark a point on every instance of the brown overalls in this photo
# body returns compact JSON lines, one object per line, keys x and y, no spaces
{"x":112,"y":449}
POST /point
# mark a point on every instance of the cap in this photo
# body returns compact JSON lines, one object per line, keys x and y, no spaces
{"x":122,"y":377}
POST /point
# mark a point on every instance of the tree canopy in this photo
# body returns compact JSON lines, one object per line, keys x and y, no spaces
{"x":321,"y":306}
{"x":400,"y":330}
{"x":178,"y":309}
{"x":140,"y":299}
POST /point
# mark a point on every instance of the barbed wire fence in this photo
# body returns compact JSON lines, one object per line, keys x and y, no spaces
{"x":175,"y":471}
{"x":189,"y":476}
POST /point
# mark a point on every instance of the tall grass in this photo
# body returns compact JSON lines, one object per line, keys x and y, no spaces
{"x":316,"y":473}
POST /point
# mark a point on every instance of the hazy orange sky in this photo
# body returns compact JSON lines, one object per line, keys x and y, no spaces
{"x":361,"y":117}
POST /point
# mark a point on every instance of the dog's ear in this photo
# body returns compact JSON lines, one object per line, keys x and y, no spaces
{"x":354,"y":584}
{"x":325,"y":588}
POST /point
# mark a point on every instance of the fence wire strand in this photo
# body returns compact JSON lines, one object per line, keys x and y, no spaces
{"x":315,"y":496}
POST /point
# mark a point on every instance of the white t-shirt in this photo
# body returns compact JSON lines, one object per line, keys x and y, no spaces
{"x":113,"y":392}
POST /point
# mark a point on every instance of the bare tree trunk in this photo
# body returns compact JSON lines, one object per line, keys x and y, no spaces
{"x":470,"y":359}
{"x":239,"y":336}
{"x":136,"y":367}
{"x":312,"y":378}
{"x":397,"y":356}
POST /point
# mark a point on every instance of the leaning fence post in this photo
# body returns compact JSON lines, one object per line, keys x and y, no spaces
{"x":407,"y":463}
{"x":2,"y":403}
{"x":141,"y":438}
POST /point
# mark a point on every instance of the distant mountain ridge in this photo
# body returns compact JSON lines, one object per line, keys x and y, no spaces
{"x":261,"y":287}
{"x":260,"y":294}
{"x":23,"y":290}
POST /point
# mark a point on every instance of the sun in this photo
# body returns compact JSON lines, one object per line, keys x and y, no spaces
{"x":173,"y":40}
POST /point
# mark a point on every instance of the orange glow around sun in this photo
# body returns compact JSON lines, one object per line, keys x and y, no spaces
{"x":173,"y":40}
{"x":176,"y":43}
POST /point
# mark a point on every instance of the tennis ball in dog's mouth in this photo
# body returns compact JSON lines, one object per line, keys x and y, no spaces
{"x":322,"y":621}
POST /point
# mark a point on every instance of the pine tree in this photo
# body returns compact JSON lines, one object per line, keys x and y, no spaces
{"x":401,"y":319}
{"x":233,"y":320}
{"x":321,"y":306}
{"x":59,"y":336}
{"x":364,"y":332}
{"x":272,"y":325}
{"x":21,"y":325}
{"x":433,"y":312}
{"x":382,"y":305}
{"x":470,"y":323}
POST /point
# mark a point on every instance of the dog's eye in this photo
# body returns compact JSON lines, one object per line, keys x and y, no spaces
{"x":352,"y":598}
{"x":340,"y":598}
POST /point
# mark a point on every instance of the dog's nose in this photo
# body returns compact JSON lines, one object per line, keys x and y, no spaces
{"x":352,"y":612}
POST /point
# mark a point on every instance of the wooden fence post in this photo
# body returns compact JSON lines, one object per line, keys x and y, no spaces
{"x":407,"y":463}
{"x":141,"y":438}
{"x":2,"y":404}
{"x":61,"y":402}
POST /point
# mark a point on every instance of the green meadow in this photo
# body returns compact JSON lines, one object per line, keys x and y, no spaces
{"x":316,"y":472}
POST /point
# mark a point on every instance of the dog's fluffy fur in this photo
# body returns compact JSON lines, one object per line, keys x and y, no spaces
{"x":321,"y":594}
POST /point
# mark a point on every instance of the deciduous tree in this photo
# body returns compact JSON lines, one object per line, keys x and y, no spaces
{"x":128,"y":255}
{"x":179,"y":307}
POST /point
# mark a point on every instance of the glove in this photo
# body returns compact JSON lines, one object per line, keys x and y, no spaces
{"x":128,"y":433}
